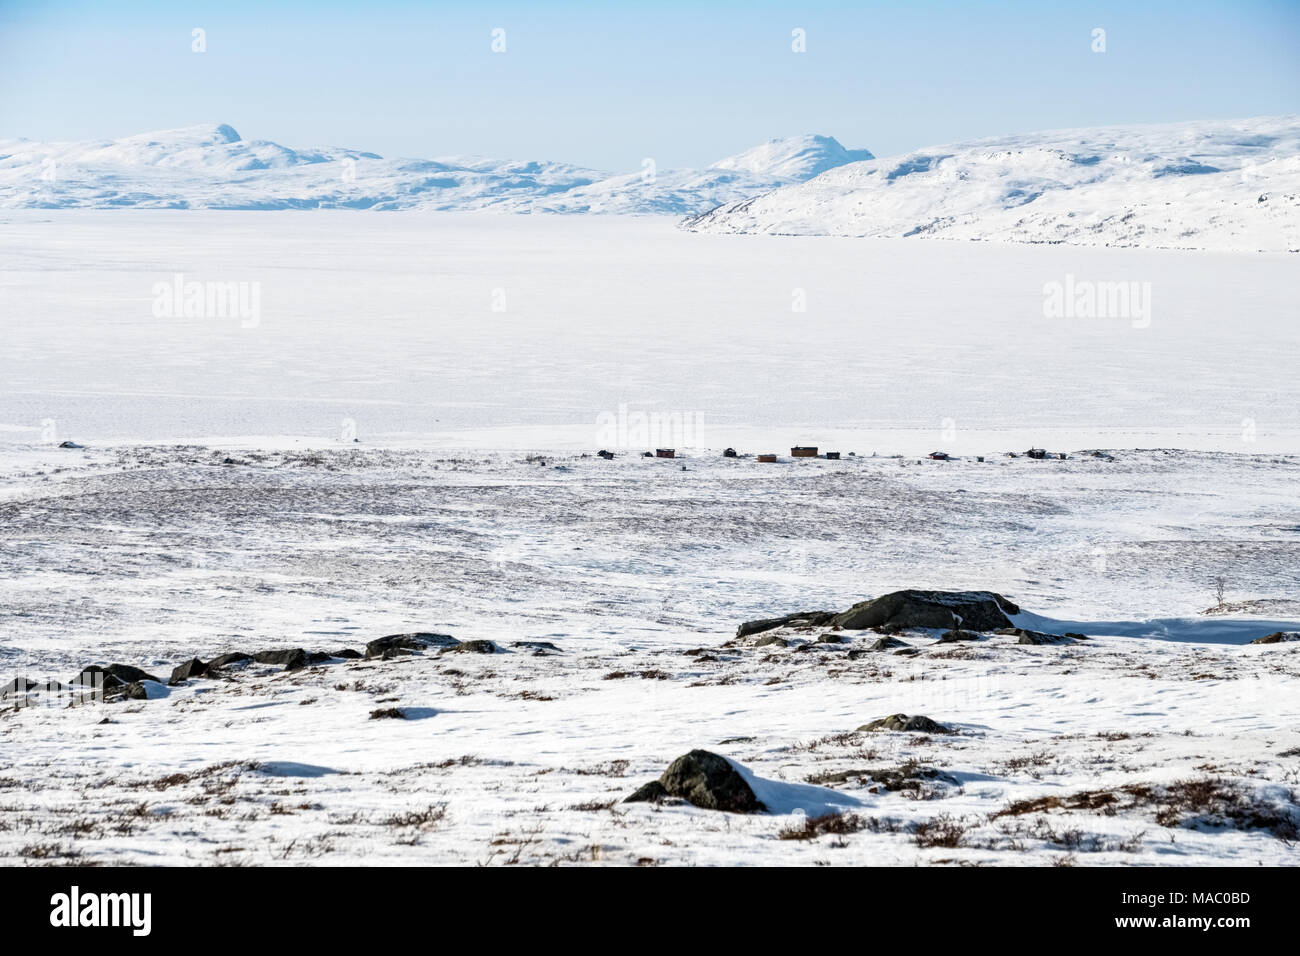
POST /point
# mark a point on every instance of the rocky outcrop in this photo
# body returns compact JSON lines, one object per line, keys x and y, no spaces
{"x":901,"y":722}
{"x":385,"y":648}
{"x":705,"y":780}
{"x":964,"y":610}
{"x":1278,"y":637}
{"x":797,"y":619}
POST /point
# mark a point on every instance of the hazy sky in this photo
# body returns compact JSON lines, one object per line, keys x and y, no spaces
{"x":606,"y":84}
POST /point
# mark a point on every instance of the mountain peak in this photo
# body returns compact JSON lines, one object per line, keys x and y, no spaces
{"x":794,"y":158}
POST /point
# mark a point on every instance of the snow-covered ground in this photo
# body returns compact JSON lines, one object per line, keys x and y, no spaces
{"x":522,"y":332}
{"x":149,"y":555}
{"x":219,"y":502}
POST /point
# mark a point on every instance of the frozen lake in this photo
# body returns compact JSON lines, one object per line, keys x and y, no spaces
{"x":521,"y":332}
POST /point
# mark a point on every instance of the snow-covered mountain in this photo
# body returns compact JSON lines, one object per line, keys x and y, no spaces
{"x":212,"y":167}
{"x":1206,"y":185}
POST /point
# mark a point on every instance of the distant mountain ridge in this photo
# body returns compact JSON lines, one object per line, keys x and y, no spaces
{"x":213,"y":167}
{"x":1224,"y":185}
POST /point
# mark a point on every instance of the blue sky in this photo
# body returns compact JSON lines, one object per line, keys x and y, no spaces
{"x":606,"y":84}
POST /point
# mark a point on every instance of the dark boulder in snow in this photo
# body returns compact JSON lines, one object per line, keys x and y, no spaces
{"x":953,"y":636}
{"x":902,"y":722}
{"x":190,"y":669}
{"x":968,"y":610}
{"x":146,"y":690}
{"x":291,"y":659}
{"x":887,"y":644}
{"x":705,"y":780}
{"x":472,"y":647}
{"x":1278,"y":637}
{"x":797,"y":619}
{"x":1035,"y":637}
{"x":225,"y":660}
{"x":537,"y":647}
{"x":771,"y":640}
{"x":396,"y":644}
{"x":347,"y":654}
{"x":119,"y":674}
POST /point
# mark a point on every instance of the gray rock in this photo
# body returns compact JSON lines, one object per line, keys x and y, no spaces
{"x":1278,"y":637}
{"x":798,"y":618}
{"x":190,"y":669}
{"x":953,"y":636}
{"x":537,"y":647}
{"x":225,"y":660}
{"x":121,"y":673}
{"x":472,"y":647}
{"x":969,"y":610}
{"x":347,"y":654}
{"x":902,"y":722}
{"x":705,"y":780}
{"x":887,"y":644}
{"x":1034,"y":637}
{"x":415,"y":641}
{"x":771,"y":640}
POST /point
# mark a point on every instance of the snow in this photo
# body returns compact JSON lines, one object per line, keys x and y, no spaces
{"x":1203,"y":185}
{"x":218,"y":502}
{"x":213,"y":167}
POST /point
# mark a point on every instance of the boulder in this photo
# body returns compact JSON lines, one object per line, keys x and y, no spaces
{"x":347,"y":654}
{"x":798,"y":618}
{"x":472,"y":647}
{"x":902,"y":722}
{"x":146,"y":690}
{"x":540,"y":647}
{"x":291,"y":659}
{"x":968,"y":610}
{"x":771,"y":641}
{"x":887,"y":644}
{"x":19,"y":685}
{"x":832,"y":638}
{"x":415,"y":641}
{"x":705,"y":780}
{"x":121,"y":673}
{"x":225,"y":660}
{"x":955,"y":635}
{"x":1278,"y":637}
{"x":190,"y":669}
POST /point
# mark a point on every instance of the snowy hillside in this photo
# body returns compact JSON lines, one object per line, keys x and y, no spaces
{"x":212,"y":167}
{"x":1206,"y":185}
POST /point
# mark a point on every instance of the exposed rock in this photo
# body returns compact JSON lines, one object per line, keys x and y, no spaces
{"x":832,"y":638}
{"x":191,"y":668}
{"x":94,"y":676}
{"x":905,"y":777}
{"x":887,"y":644}
{"x":347,"y":654}
{"x":415,"y":641}
{"x":391,"y":713}
{"x":546,"y":647}
{"x":1034,"y":637}
{"x":472,"y":647}
{"x":771,"y":640}
{"x":1278,"y":637}
{"x":705,"y":780}
{"x":652,"y":792}
{"x":225,"y":660}
{"x":953,"y":636}
{"x":146,"y":690}
{"x":122,"y":673}
{"x":902,"y":722}
{"x":798,"y":618}
{"x":291,"y":659}
{"x":19,"y":685}
{"x":969,"y":610}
